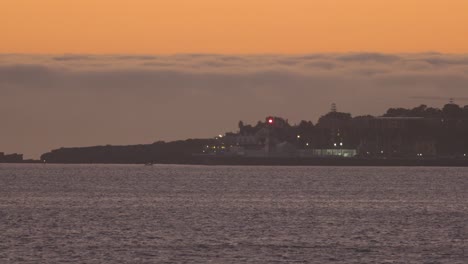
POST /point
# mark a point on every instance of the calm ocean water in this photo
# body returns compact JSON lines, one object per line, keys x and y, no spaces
{"x":197,"y":214}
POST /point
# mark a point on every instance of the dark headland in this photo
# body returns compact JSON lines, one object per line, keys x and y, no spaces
{"x":421,"y":136}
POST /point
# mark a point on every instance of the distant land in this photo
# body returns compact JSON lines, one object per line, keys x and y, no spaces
{"x":11,"y":158}
{"x":421,"y":136}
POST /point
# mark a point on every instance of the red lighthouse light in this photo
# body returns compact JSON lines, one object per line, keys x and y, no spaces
{"x":270,"y":120}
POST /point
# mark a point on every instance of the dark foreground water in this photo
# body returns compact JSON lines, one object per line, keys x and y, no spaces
{"x":196,"y":214}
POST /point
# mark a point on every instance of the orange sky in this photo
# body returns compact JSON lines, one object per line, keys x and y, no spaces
{"x":232,"y":26}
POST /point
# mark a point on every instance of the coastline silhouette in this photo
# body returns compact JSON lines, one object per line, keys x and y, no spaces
{"x":398,"y":136}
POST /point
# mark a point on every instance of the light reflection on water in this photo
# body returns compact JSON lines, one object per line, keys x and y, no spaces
{"x":198,"y":214}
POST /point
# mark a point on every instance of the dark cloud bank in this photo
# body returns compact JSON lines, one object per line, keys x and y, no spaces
{"x":76,"y":100}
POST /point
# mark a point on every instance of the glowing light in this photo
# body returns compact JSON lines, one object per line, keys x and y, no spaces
{"x":298,"y":136}
{"x":334,"y":144}
{"x":270,"y":120}
{"x":341,"y":143}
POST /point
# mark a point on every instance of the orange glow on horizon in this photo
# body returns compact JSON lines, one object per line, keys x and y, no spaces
{"x":233,"y":26}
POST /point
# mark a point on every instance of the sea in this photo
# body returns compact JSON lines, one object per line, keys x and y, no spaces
{"x":232,"y":214}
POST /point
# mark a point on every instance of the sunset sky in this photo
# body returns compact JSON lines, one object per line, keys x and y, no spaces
{"x":233,"y":26}
{"x":96,"y":72}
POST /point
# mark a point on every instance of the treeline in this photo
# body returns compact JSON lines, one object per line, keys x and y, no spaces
{"x":448,"y":111}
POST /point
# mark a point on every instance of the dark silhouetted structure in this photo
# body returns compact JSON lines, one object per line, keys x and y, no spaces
{"x":11,"y":158}
{"x":418,"y":133}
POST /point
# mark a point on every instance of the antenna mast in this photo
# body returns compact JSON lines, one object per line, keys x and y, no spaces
{"x":333,"y":108}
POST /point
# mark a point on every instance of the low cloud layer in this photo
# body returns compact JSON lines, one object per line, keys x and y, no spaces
{"x":76,"y":100}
